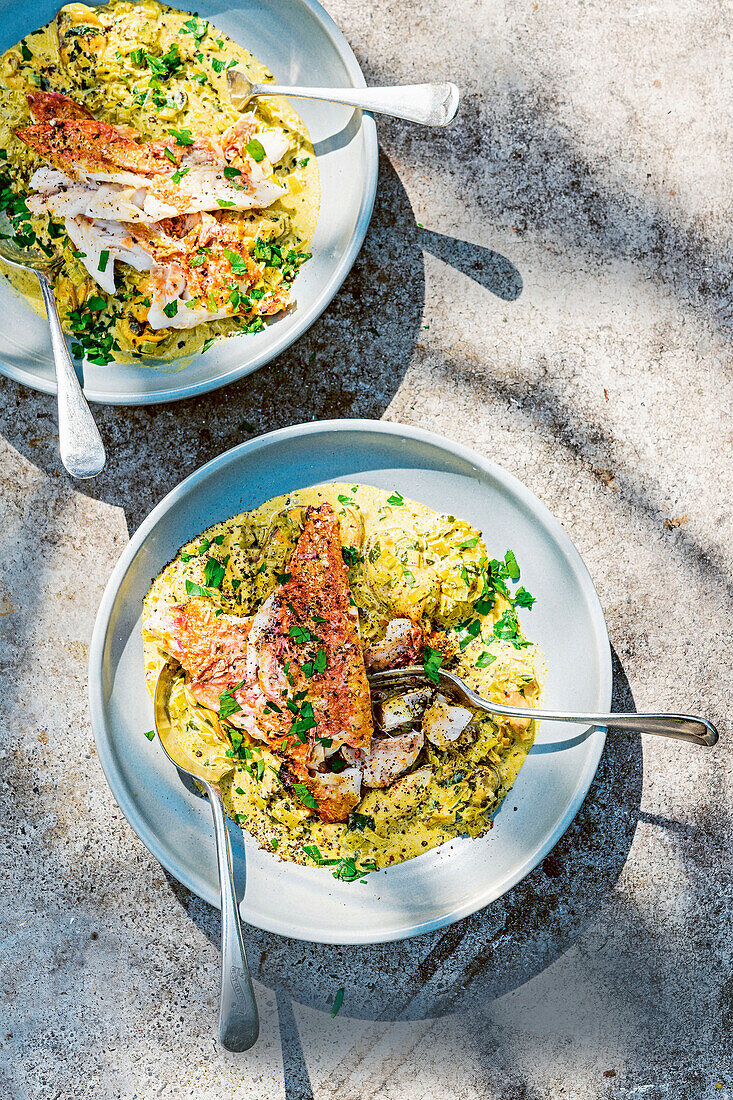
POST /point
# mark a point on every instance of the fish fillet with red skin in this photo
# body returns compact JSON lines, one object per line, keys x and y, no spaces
{"x":307,"y":625}
{"x":47,"y":105}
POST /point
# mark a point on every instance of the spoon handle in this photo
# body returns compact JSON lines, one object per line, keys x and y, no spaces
{"x":239,"y":1023}
{"x":429,"y":104}
{"x":82,"y":450}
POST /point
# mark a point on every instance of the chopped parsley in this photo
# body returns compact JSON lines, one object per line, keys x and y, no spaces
{"x":506,"y":627}
{"x":346,"y":868}
{"x":511,"y":565}
{"x":317,"y":665}
{"x":522,"y":598}
{"x":304,"y":722}
{"x":350,"y":555}
{"x":485,"y":659}
{"x":432,"y":660}
{"x":396,"y":499}
{"x":103,"y":260}
{"x":337,"y":1002}
{"x":193,"y":589}
{"x":150,"y":734}
{"x":183,"y":137}
{"x":468,"y":631}
{"x":217,"y":65}
{"x":224,"y":203}
{"x":94,"y":338}
{"x":164,"y":66}
{"x":171,"y":309}
{"x":256,"y":150}
{"x":306,"y":798}
{"x":359,"y":822}
{"x":196,"y":27}
{"x":214,"y":572}
{"x":237,"y":262}
{"x":228,"y":705}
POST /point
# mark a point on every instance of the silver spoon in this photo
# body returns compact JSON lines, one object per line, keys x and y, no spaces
{"x":429,"y":104}
{"x":682,"y":727}
{"x":239,"y":1023}
{"x":80,"y":444}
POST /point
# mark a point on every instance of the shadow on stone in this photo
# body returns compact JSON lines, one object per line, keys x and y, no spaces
{"x":492,"y":270}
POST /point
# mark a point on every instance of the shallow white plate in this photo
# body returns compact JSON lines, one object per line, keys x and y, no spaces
{"x":442,"y":885}
{"x":301,"y":44}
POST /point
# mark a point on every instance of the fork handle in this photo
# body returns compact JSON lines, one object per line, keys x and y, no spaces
{"x":681,"y":727}
{"x":80,"y":444}
{"x":429,"y":104}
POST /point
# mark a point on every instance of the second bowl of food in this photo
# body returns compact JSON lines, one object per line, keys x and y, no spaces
{"x":284,"y":573}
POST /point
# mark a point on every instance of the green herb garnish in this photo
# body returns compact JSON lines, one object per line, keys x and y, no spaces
{"x":522,"y":598}
{"x":337,"y":1002}
{"x":183,"y":137}
{"x":307,"y":799}
{"x":256,"y":150}
{"x":511,"y":565}
{"x":432,"y":660}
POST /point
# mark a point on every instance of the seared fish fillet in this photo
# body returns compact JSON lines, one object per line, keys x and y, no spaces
{"x":295,"y":672}
{"x":152,"y":179}
{"x":145,"y":204}
{"x":47,"y":105}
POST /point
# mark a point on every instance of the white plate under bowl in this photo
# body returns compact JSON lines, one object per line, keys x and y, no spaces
{"x":301,"y":44}
{"x":442,"y":885}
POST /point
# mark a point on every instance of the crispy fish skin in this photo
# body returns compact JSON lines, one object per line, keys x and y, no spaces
{"x":316,"y":601}
{"x":210,"y":648}
{"x":302,"y":647}
{"x":45,"y":106}
{"x":85,"y":143}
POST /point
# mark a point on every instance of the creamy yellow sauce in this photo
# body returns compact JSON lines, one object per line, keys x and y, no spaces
{"x":403,"y":559}
{"x":93,"y":56}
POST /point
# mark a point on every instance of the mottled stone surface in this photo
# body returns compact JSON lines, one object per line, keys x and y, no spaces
{"x":547,"y":281}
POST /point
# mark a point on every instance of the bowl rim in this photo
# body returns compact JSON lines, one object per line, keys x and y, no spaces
{"x":117,"y":786}
{"x":309,"y":317}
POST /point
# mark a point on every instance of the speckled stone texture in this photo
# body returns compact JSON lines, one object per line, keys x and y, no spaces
{"x":548,"y":282}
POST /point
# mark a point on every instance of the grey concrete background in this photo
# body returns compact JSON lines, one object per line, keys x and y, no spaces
{"x":547,"y":281}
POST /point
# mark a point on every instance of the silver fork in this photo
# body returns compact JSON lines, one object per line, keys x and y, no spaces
{"x":682,"y":727}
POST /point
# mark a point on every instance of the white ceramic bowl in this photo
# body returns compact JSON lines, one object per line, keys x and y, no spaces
{"x":301,"y":44}
{"x":452,"y":881}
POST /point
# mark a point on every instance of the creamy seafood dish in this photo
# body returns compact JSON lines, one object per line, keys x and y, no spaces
{"x":171,"y":218}
{"x":277,"y":617}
